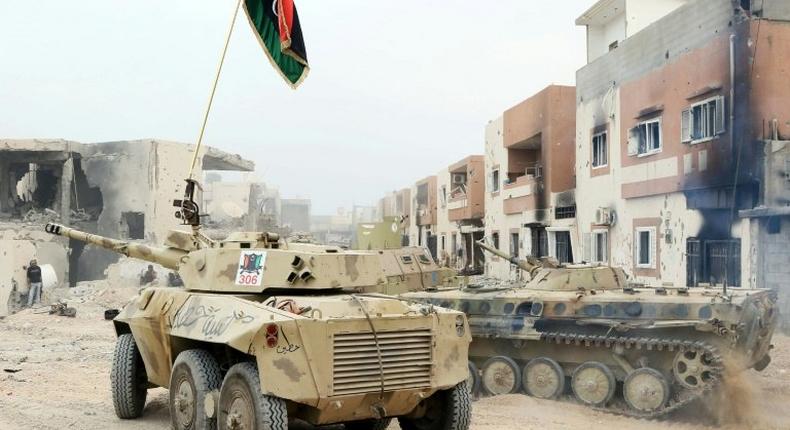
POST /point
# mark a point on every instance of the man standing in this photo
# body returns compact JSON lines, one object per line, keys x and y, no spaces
{"x":34,"y":279}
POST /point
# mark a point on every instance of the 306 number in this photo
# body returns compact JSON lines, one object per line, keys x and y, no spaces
{"x":248,"y":279}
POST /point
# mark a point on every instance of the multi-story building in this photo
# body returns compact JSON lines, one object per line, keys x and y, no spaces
{"x":681,"y":122}
{"x":530,"y":202}
{"x":460,"y":212}
{"x":422,"y":231}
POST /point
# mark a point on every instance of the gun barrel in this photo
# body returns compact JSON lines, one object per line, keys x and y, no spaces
{"x":167,"y":257}
{"x":523,"y":264}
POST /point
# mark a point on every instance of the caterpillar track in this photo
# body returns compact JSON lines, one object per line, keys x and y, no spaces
{"x":680,"y":397}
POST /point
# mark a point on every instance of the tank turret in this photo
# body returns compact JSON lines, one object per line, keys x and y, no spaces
{"x":294,"y":327}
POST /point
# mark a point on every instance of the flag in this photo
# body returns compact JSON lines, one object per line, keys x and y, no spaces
{"x":276,"y":24}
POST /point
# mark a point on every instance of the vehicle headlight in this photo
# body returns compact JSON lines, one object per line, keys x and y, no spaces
{"x":460,"y":327}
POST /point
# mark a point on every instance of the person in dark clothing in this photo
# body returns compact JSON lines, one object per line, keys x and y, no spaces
{"x":148,"y":276}
{"x":34,"y":279}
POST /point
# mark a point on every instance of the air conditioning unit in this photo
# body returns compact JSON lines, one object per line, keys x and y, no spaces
{"x":604,"y":216}
{"x":459,"y":178}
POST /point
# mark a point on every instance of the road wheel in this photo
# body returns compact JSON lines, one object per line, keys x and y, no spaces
{"x":543,"y":378}
{"x":445,"y":410}
{"x":646,"y":390}
{"x":242,"y":406}
{"x":593,"y":383}
{"x":128,"y":379}
{"x":195,"y":374}
{"x":381,"y":424}
{"x":500,"y":375}
{"x":473,"y":381}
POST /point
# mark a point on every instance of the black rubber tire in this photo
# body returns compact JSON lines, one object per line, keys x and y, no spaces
{"x":128,"y":379}
{"x":474,"y":377}
{"x":509,"y":362}
{"x":762,"y":363}
{"x":269,"y":413}
{"x":201,"y":371}
{"x":446,"y":410}
{"x":381,"y":424}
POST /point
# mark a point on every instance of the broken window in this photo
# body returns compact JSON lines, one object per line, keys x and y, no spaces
{"x":133,"y":225}
{"x":600,"y":156}
{"x":703,"y":120}
{"x":600,"y":246}
{"x":645,"y":138}
{"x":646,"y":248}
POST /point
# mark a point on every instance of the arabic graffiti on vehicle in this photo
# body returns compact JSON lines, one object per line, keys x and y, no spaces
{"x":212,"y":321}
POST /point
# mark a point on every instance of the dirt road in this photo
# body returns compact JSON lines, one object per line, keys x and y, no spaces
{"x":56,"y":371}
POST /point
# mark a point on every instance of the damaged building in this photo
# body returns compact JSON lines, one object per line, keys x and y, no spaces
{"x":682,"y":124}
{"x":118,"y":189}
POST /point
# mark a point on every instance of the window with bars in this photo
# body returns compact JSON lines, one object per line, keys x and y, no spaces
{"x":565,"y":212}
{"x":713,"y":262}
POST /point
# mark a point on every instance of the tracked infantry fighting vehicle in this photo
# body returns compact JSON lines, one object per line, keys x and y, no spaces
{"x":264,"y":332}
{"x":586,"y":331}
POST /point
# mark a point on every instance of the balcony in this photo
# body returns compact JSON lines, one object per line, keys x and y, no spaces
{"x":521,"y":195}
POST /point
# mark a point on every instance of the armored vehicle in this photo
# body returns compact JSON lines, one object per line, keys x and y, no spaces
{"x":264,"y":332}
{"x":585,"y":330}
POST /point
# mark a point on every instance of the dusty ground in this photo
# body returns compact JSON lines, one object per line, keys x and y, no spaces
{"x":61,"y":371}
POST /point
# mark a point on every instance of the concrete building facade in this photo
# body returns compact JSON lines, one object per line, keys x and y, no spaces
{"x":119,"y":189}
{"x":681,"y":153}
{"x":529,"y":163}
{"x":423,"y":213}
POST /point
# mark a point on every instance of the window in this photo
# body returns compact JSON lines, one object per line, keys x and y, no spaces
{"x":600,"y":246}
{"x":514,"y":244}
{"x":540,"y":242}
{"x":600,"y":157}
{"x":563,"y":251}
{"x":495,"y":181}
{"x":565,"y":212}
{"x":495,"y":240}
{"x":646,"y":248}
{"x":645,"y":138}
{"x":444,"y":195}
{"x":713,"y":261}
{"x":703,"y":121}
{"x":444,"y":243}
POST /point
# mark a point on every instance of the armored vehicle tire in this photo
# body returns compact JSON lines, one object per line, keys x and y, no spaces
{"x":242,"y":405}
{"x":445,"y":410}
{"x":500,"y":375}
{"x":128,"y":379}
{"x":473,"y":381}
{"x":381,"y":424}
{"x":645,"y":390}
{"x":543,"y":378}
{"x":593,"y":383}
{"x":195,"y":374}
{"x":693,"y":369}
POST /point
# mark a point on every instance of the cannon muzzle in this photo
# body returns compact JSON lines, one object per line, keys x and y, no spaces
{"x":167,"y":257}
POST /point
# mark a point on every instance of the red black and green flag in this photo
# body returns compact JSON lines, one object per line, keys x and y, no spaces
{"x":276,"y":24}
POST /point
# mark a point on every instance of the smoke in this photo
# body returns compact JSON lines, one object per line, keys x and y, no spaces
{"x":740,"y":403}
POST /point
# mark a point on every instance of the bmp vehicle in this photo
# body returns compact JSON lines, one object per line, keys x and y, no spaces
{"x":585,"y":330}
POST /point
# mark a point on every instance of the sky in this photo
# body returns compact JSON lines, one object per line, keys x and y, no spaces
{"x":397,"y":90}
